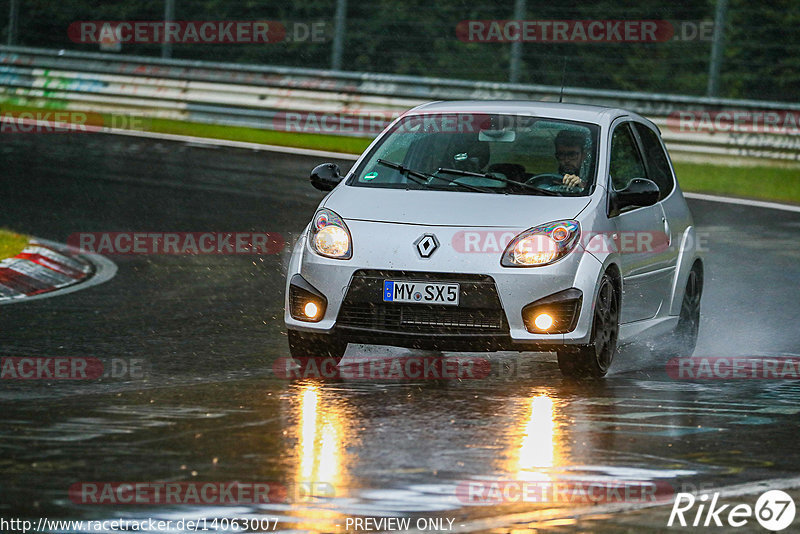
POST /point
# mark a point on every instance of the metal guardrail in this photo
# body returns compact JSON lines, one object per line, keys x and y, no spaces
{"x":261,"y":96}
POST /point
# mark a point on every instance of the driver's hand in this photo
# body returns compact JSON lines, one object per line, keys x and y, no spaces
{"x":573,"y":180}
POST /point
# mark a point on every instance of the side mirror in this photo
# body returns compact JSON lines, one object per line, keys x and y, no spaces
{"x":326,"y":176}
{"x":640,"y":192}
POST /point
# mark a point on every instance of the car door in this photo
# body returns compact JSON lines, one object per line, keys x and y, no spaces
{"x":642,"y":236}
{"x":659,"y":171}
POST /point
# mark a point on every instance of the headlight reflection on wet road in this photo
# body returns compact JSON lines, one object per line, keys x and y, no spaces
{"x":537,"y":451}
{"x":319,"y":447}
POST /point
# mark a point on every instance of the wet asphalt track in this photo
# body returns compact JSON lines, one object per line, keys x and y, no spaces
{"x":206,"y":330}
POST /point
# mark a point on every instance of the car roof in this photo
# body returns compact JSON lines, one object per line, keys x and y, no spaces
{"x":577,"y":112}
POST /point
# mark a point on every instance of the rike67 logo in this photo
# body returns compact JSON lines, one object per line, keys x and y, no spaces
{"x":774,"y":510}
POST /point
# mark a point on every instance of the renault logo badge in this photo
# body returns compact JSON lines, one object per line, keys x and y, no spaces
{"x":426,"y":245}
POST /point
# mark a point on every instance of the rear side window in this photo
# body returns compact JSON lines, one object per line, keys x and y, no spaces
{"x":626,"y":164}
{"x":657,"y":163}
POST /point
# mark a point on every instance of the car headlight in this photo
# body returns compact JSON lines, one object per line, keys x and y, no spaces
{"x":329,"y":236}
{"x":542,"y":245}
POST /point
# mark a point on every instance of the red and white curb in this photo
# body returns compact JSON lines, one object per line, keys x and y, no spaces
{"x":45,"y":268}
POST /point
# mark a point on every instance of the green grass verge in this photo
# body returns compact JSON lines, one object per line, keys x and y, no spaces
{"x":767,"y":183}
{"x":336,"y":143}
{"x":11,"y":243}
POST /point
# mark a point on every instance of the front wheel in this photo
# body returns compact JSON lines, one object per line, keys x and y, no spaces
{"x":305,"y":345}
{"x":594,"y":359}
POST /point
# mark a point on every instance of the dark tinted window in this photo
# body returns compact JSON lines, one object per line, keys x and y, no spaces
{"x":626,"y":164}
{"x":657,"y":163}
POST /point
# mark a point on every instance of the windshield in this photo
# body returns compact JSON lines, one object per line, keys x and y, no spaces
{"x":509,"y":154}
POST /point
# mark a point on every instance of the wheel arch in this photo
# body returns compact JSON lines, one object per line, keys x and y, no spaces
{"x":613,"y":270}
{"x":689,"y":256}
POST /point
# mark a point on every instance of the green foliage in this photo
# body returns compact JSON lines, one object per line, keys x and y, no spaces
{"x":762,"y":59}
{"x":11,"y":243}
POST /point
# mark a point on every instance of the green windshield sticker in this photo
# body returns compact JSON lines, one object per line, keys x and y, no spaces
{"x":460,"y":157}
{"x":370,"y":176}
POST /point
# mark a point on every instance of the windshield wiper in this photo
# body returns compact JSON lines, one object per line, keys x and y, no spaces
{"x":417,"y":174}
{"x":466,"y":186}
{"x":413,"y":175}
{"x":500,"y":178}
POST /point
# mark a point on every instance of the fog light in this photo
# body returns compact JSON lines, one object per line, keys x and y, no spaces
{"x":554,"y":314}
{"x":543,"y":321}
{"x":306,"y":303}
{"x":311,"y":310}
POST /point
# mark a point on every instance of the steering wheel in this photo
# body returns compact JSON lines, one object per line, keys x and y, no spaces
{"x":549,"y":181}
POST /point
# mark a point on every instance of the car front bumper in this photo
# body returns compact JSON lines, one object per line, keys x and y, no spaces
{"x":393,"y":255}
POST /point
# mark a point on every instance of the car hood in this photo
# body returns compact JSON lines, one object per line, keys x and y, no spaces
{"x":448,"y":208}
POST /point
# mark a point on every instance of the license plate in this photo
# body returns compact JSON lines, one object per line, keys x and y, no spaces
{"x":420,"y":292}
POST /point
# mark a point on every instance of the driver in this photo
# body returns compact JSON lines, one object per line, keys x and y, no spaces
{"x":570,"y":154}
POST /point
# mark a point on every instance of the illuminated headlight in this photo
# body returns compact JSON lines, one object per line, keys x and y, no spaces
{"x":542,"y":245}
{"x":329,"y":236}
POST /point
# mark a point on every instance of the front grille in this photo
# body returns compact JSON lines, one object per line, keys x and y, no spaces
{"x":479,"y":311}
{"x":418,"y":318}
{"x":491,"y":319}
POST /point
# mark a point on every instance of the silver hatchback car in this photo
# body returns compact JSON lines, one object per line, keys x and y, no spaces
{"x":483,"y":226}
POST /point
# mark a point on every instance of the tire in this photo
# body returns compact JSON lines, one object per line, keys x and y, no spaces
{"x":594,"y":359}
{"x":307,"y":345}
{"x":683,"y":340}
